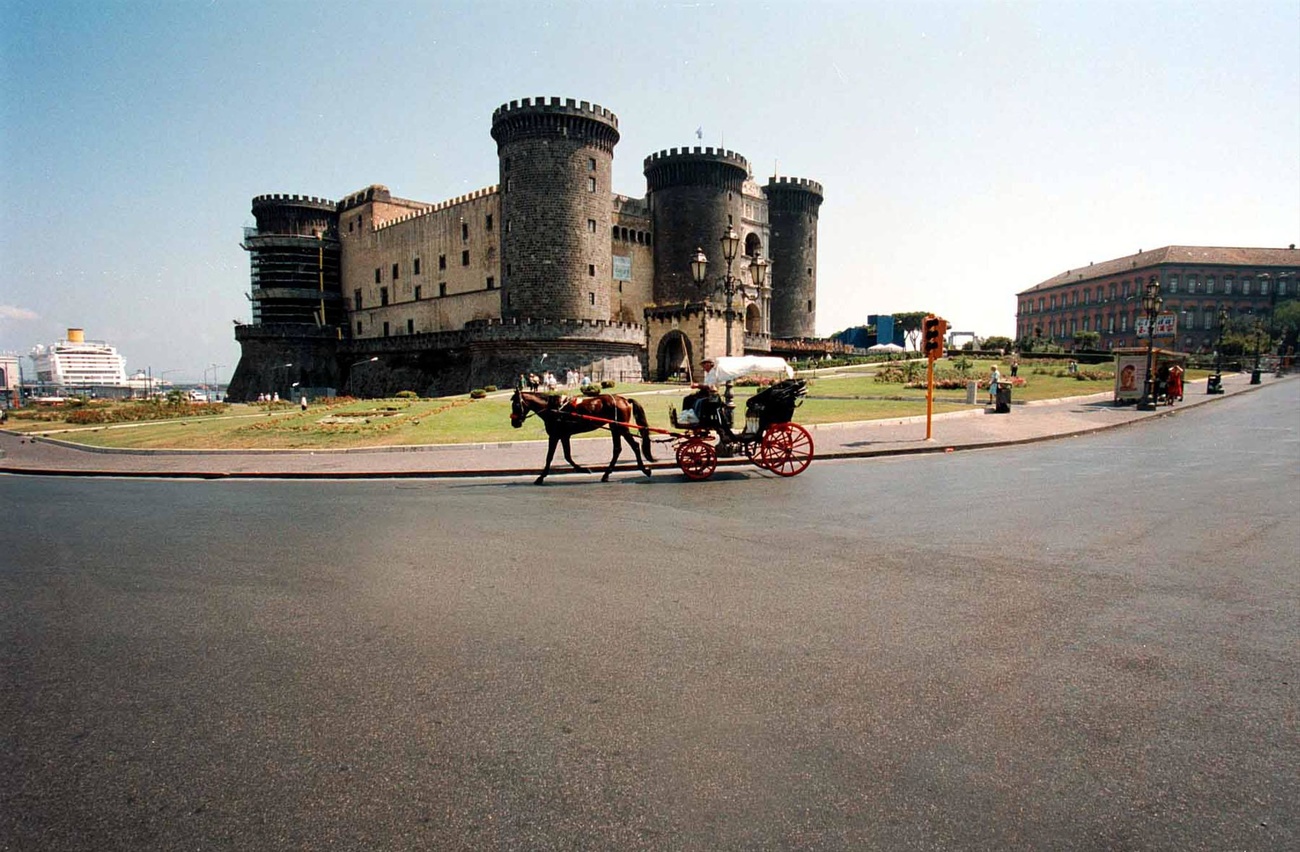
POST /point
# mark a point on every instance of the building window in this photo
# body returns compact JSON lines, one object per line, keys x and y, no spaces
{"x":614,"y":233}
{"x":410,"y":326}
{"x":1281,"y":286}
{"x":591,"y":184}
{"x":376,"y":274}
{"x":591,"y":164}
{"x":416,"y":270}
{"x":1112,"y":291}
{"x":810,"y":306}
{"x":591,"y":226}
{"x":505,"y":165}
{"x":383,"y":296}
{"x":464,"y":230}
{"x":1245,"y":286}
{"x":358,"y":326}
{"x":487,"y":223}
{"x":442,"y":288}
{"x":1052,"y":303}
{"x":442,"y":261}
{"x":1209,"y":284}
{"x":1173,"y":283}
{"x":591,"y":271}
{"x":395,"y":276}
{"x":509,"y":228}
{"x":464,"y":258}
{"x":491,"y":283}
{"x":1263,"y":286}
{"x":385,"y":329}
{"x":592,"y":297}
{"x":1227,"y":285}
{"x":417,"y":292}
{"x":1123,"y":323}
{"x":1087,"y":294}
{"x":356,"y":300}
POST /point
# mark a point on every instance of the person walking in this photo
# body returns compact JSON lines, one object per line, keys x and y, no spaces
{"x":1174,"y":388}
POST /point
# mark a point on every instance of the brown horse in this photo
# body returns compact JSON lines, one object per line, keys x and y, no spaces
{"x":560,"y":416}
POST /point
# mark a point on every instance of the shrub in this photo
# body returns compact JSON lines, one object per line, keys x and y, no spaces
{"x":407,"y":394}
{"x":607,"y":383}
{"x":591,"y":390}
{"x":477,"y":393}
{"x":490,"y":388}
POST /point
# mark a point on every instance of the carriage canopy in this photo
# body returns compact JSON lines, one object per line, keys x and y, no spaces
{"x":728,"y":369}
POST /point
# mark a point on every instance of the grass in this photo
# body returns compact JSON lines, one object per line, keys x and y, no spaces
{"x":850,"y":394}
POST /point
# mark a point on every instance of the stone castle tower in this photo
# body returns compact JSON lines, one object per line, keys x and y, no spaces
{"x":549,"y":269}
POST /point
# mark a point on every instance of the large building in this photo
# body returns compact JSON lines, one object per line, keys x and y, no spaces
{"x":1195,"y":281}
{"x":548,"y":269}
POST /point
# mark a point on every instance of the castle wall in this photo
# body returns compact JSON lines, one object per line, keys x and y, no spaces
{"x":437,"y":267}
{"x":632,"y":241}
{"x":793,"y":206}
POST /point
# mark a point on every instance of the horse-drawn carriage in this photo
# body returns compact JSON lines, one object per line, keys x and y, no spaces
{"x":769,"y":438}
{"x":704,"y":433}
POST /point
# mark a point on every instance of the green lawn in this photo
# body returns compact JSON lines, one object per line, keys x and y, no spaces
{"x":851,"y":394}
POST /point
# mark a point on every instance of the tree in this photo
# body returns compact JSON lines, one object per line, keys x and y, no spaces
{"x":1286,"y":323}
{"x":996,"y":342}
{"x":1086,"y":339}
{"x":910,"y":323}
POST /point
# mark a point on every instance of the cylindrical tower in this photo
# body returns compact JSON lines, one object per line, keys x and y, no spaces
{"x":694,"y":195}
{"x":294,"y":261}
{"x":792,"y":210}
{"x":556,"y":161}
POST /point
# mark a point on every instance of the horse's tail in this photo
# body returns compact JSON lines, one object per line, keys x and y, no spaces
{"x":639,"y":413}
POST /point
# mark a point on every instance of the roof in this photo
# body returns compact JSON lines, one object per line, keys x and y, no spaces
{"x":1199,"y":255}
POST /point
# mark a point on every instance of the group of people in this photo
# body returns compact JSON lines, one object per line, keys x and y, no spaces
{"x":547,"y":379}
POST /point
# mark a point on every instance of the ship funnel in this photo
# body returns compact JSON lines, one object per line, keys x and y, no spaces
{"x":76,"y":335}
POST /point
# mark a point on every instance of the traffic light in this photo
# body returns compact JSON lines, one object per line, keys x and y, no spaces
{"x":933,"y":330}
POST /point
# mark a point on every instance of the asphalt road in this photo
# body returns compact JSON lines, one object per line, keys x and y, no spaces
{"x":1082,"y":644}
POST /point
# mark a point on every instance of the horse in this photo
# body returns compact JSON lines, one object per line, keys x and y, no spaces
{"x":557,"y":413}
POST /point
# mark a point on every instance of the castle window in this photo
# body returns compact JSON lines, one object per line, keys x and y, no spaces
{"x":464,"y":258}
{"x":358,"y":326}
{"x":591,"y":226}
{"x":356,"y":300}
{"x":385,"y":329}
{"x":417,"y":292}
{"x":383,"y":295}
{"x":810,"y":306}
{"x":505,"y":164}
{"x":394,"y":271}
{"x":591,"y":271}
{"x":410,"y":326}
{"x":350,"y":227}
{"x":614,"y":233}
{"x":591,"y":184}
{"x":591,"y":164}
{"x":442,"y":261}
{"x":464,"y":230}
{"x":509,"y":229}
{"x":592,"y":297}
{"x":376,"y":274}
{"x":810,"y":272}
{"x":491,"y":283}
{"x":416,"y":270}
{"x":510,"y":184}
{"x":442,"y":288}
{"x":487,"y":223}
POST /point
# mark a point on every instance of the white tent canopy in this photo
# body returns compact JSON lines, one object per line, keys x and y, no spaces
{"x":886,"y":347}
{"x":728,"y":369}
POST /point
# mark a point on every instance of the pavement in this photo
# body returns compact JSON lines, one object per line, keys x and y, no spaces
{"x":975,"y":428}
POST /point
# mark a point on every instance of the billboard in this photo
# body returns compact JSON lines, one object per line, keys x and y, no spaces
{"x":1166,"y":325}
{"x":622,"y":268}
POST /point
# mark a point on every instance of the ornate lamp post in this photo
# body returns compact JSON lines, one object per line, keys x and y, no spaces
{"x":1215,"y":384}
{"x":1151,"y":303}
{"x":728,"y":284}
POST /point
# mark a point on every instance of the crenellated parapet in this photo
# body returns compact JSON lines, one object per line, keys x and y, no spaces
{"x":284,"y":199}
{"x":714,"y":167}
{"x":797,"y":195}
{"x":540,"y":118}
{"x":374,"y":192}
{"x":440,"y":207}
{"x":541,"y":329}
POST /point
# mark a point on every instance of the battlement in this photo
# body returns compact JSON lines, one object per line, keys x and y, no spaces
{"x":793,"y":184}
{"x":293,"y":200}
{"x":374,"y":192}
{"x":697,"y":154}
{"x":566,"y":106}
{"x":439,"y":207}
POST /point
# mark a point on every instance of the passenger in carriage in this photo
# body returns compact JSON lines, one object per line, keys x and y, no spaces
{"x":706,"y":389}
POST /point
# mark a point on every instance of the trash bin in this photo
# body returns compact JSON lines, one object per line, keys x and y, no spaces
{"x":1002,"y":405}
{"x":1214,"y":385}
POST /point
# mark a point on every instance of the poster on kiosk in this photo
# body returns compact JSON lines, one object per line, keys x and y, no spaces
{"x":1130,"y":376}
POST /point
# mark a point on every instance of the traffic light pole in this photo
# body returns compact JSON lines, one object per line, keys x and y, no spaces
{"x":929,"y":397}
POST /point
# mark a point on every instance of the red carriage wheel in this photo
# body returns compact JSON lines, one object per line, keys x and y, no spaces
{"x":697,"y":458}
{"x":787,"y":449}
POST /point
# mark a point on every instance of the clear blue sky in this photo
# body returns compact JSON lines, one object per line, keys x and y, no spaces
{"x":968,"y":149}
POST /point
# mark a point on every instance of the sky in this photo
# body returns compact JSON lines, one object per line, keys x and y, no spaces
{"x":968,"y":149}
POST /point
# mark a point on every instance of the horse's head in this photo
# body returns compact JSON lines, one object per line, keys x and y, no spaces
{"x":517,"y":410}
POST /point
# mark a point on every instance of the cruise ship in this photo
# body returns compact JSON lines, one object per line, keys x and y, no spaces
{"x":77,"y":362}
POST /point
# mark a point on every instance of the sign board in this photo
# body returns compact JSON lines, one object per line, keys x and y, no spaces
{"x":1130,"y":376}
{"x":622,"y":268}
{"x":1166,"y":325}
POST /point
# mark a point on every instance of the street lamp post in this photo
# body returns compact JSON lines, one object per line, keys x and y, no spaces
{"x":1215,"y":385}
{"x":1259,"y":330}
{"x":728,"y":283}
{"x":286,"y":375}
{"x":1151,"y":303}
{"x":354,"y":366}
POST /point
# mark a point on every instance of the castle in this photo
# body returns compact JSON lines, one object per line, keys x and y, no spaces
{"x":547,"y":270}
